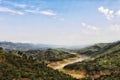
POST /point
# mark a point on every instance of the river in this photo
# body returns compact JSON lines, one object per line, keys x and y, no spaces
{"x":71,"y":62}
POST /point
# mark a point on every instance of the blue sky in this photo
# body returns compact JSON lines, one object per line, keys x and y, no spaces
{"x":60,"y":22}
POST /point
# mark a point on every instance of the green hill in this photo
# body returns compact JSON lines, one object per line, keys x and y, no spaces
{"x":91,"y":50}
{"x":97,"y":49}
{"x":49,"y":54}
{"x":17,"y":67}
{"x":106,"y":63}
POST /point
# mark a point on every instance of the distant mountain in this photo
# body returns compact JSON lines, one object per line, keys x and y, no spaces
{"x":25,"y":46}
{"x":92,"y":50}
{"x":29,"y":46}
{"x":75,"y":47}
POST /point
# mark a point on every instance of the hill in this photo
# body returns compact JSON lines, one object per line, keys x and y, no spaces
{"x":97,"y":49}
{"x":91,"y":50}
{"x":49,"y":54}
{"x":105,"y":64}
{"x":17,"y":67}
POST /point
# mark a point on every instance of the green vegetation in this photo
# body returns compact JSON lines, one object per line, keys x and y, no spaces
{"x":105,"y":64}
{"x":52,"y":55}
{"x":97,"y":49}
{"x":91,"y":50}
{"x":18,"y":67}
{"x":31,"y":64}
{"x":110,"y":77}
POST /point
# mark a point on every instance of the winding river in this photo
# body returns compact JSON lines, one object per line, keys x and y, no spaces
{"x":71,"y":62}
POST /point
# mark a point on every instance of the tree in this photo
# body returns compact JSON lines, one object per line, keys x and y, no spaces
{"x":30,"y":58}
{"x":24,"y":56}
{"x":20,"y":53}
{"x":1,"y":49}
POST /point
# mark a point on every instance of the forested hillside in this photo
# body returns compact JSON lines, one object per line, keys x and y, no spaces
{"x":53,"y":55}
{"x":92,"y":50}
{"x":20,"y":67}
{"x":105,"y":66}
{"x":104,"y":63}
{"x":110,"y":77}
{"x":49,"y":54}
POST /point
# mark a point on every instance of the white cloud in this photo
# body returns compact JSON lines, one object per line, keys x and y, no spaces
{"x":25,"y":8}
{"x":107,"y":12}
{"x":15,"y":4}
{"x":7,"y":10}
{"x":91,"y":27}
{"x":83,"y":24}
{"x":103,"y":34}
{"x":47,"y":12}
{"x":32,"y":11}
{"x":118,"y":13}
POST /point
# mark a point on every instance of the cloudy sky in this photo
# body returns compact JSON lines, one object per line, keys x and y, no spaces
{"x":61,"y":22}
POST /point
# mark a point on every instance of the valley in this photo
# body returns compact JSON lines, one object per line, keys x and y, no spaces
{"x":60,"y":40}
{"x":95,"y":62}
{"x":61,"y":64}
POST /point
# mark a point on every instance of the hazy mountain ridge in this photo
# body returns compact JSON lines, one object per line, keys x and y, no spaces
{"x":25,"y":46}
{"x":29,"y":46}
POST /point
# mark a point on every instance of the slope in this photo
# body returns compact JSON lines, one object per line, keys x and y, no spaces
{"x":17,"y":67}
{"x":106,"y":63}
{"x":49,"y":54}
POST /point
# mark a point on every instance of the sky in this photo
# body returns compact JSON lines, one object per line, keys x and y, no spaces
{"x":60,"y":22}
